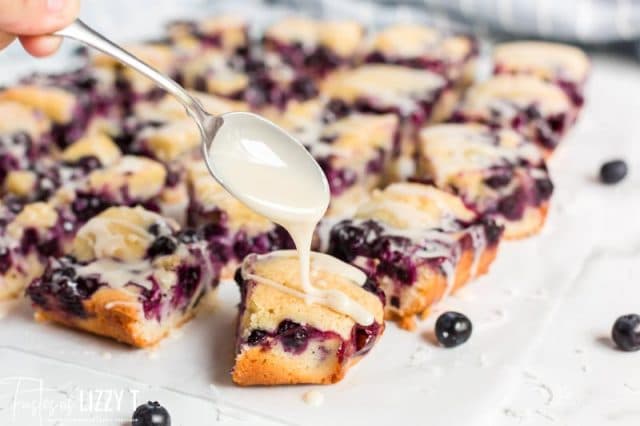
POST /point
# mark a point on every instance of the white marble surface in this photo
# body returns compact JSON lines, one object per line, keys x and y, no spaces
{"x":540,"y":353}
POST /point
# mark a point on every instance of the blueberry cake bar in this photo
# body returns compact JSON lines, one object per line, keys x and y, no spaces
{"x":564,"y":65}
{"x":539,"y":110}
{"x":231,"y":230}
{"x":130,"y":84}
{"x":75,"y":102}
{"x":417,"y":97}
{"x":314,"y":46}
{"x":223,"y":33}
{"x":131,"y":275}
{"x":282,"y":339}
{"x":496,"y":172}
{"x":418,"y":46}
{"x":35,"y":231}
{"x":27,"y":239}
{"x":353,"y":151}
{"x":418,"y":243}
{"x":23,"y":138}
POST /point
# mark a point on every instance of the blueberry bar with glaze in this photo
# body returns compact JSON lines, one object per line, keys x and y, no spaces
{"x":74,"y":102}
{"x":231,"y":229}
{"x":27,"y":239}
{"x":539,"y":110}
{"x":131,"y":275}
{"x":417,"y":97}
{"x":40,"y":180}
{"x":418,"y":244}
{"x":24,"y":138}
{"x":282,"y":339}
{"x":32,"y":228}
{"x":353,"y":151}
{"x":422,"y":47}
{"x":228,"y":34}
{"x":564,"y":65}
{"x":496,"y":172}
{"x":314,"y":46}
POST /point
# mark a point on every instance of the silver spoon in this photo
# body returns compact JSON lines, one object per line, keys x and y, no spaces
{"x":243,"y":124}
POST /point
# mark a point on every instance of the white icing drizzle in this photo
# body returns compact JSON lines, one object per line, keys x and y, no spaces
{"x":106,"y":242}
{"x":479,"y":242}
{"x":119,"y":274}
{"x":334,"y":299}
{"x":313,"y":398}
{"x":449,"y":269}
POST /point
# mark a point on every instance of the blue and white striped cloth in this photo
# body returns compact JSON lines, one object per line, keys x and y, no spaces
{"x":586,"y":21}
{"x":582,"y":21}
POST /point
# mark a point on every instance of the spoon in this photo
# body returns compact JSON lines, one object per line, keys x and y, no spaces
{"x":256,"y":161}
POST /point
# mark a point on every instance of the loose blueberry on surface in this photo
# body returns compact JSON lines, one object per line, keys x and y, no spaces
{"x":162,"y":246}
{"x":151,"y":414}
{"x":453,"y":329}
{"x":613,"y":172}
{"x":626,"y":332}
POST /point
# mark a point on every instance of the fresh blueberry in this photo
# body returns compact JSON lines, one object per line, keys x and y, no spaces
{"x":626,"y":332}
{"x":151,"y":414}
{"x":161,"y":246}
{"x":613,"y":172}
{"x":453,"y":329}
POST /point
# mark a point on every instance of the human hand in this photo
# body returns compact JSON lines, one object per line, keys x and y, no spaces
{"x":31,"y":20}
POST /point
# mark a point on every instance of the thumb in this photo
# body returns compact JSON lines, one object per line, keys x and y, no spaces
{"x":36,"y":17}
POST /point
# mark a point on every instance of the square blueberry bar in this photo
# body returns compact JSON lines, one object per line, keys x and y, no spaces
{"x":497,"y":172}
{"x":131,"y":275}
{"x":313,"y":46}
{"x":74,"y":102}
{"x":417,"y":97}
{"x":418,"y":244}
{"x":353,"y":151}
{"x":282,"y":339}
{"x":225,"y":33}
{"x":539,"y":110}
{"x":418,"y":46}
{"x":564,"y":65}
{"x":24,"y":138}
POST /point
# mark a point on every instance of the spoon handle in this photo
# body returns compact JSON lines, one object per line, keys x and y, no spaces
{"x":81,"y":32}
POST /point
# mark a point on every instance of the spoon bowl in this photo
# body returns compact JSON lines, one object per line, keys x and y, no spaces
{"x":291,"y":184}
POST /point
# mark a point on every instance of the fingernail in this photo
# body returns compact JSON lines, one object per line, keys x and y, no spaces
{"x":55,"y":5}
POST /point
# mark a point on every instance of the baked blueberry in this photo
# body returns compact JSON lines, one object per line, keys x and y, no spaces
{"x":162,"y":246}
{"x":613,"y":172}
{"x":453,"y":329}
{"x":151,"y":414}
{"x":626,"y":332}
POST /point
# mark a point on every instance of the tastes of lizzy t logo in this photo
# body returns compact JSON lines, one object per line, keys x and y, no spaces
{"x":28,"y":401}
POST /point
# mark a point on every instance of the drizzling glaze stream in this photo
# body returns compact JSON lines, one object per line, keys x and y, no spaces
{"x":274,"y":175}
